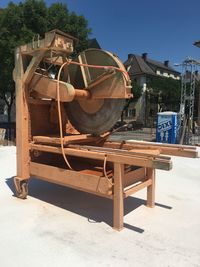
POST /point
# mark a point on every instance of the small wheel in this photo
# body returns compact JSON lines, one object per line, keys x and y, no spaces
{"x":21,"y":188}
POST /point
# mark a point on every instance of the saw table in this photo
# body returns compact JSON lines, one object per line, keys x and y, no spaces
{"x":64,"y":111}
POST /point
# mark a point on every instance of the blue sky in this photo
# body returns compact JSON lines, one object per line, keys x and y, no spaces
{"x":166,"y":30}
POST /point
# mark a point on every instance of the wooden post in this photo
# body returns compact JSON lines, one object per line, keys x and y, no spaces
{"x":150,"y":172}
{"x":22,"y":118}
{"x":118,"y":201}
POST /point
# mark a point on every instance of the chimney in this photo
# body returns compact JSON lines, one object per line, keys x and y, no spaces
{"x":130,"y":56}
{"x":144,"y":56}
{"x":166,"y":63}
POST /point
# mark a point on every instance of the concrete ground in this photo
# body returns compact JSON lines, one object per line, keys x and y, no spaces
{"x":58,"y":226}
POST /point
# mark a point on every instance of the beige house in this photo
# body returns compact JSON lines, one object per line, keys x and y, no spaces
{"x":142,"y":69}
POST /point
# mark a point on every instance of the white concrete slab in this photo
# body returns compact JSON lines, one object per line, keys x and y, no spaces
{"x":57,"y":226}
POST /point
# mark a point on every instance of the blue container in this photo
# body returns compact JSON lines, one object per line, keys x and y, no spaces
{"x":168,"y":125}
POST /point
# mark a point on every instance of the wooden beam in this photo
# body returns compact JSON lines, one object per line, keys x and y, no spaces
{"x":151,"y":188}
{"x":77,"y":139}
{"x":150,"y":152}
{"x":118,"y":200}
{"x":111,"y":157}
{"x":134,"y":188}
{"x":22,"y":119}
{"x":173,"y":150}
{"x":84,"y":70}
{"x":138,"y":152}
{"x":35,"y":61}
{"x":160,"y":144}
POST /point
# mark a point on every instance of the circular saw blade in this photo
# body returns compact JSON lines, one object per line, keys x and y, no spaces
{"x":98,"y":122}
{"x":94,"y":116}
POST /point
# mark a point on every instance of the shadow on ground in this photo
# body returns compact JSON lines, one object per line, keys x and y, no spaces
{"x":96,"y":209}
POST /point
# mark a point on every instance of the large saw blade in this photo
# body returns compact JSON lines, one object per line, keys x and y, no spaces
{"x":95,"y":116}
{"x":98,"y":122}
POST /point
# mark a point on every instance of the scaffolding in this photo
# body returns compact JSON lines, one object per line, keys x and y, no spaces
{"x":188,"y":83}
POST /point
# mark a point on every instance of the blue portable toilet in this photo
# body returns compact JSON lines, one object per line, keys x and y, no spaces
{"x":168,"y":125}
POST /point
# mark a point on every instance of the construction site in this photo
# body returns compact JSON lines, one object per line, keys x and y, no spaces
{"x":79,"y":187}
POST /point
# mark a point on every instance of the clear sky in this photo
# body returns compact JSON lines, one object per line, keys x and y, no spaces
{"x":165,"y":29}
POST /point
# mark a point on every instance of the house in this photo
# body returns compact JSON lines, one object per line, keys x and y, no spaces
{"x":142,"y":69}
{"x":93,"y":43}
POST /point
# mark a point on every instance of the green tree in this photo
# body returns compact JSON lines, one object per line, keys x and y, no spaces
{"x":19,"y":23}
{"x":136,"y":90}
{"x":170,"y":91}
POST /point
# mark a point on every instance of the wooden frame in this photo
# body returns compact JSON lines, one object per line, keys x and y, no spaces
{"x":131,"y":165}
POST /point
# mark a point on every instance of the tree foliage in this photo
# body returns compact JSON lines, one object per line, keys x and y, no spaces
{"x":19,"y":23}
{"x":136,"y":89}
{"x":170,"y":90}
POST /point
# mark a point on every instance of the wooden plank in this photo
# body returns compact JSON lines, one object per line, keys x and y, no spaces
{"x":133,"y":189}
{"x":134,"y":176}
{"x":151,"y":152}
{"x":172,"y":150}
{"x":84,"y":70}
{"x":22,"y":119}
{"x":151,"y":188}
{"x":118,"y":200}
{"x":78,"y":180}
{"x":138,"y":153}
{"x":111,"y":157}
{"x":35,"y":61}
{"x":77,"y":139}
{"x":56,"y":140}
{"x":160,"y":144}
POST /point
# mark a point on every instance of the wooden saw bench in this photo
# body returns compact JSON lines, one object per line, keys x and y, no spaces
{"x":114,"y":170}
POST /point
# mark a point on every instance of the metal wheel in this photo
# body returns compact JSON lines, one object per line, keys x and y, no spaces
{"x":21,"y":188}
